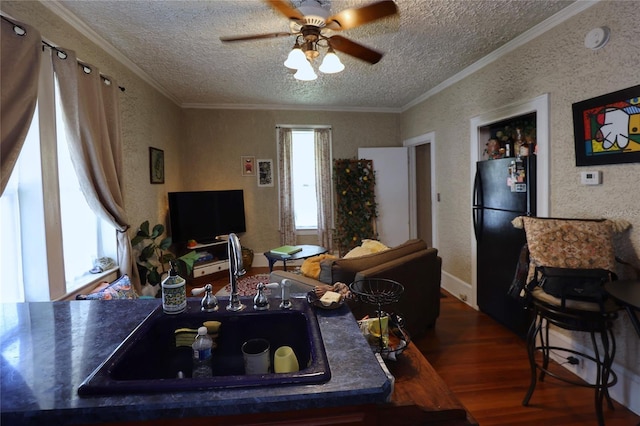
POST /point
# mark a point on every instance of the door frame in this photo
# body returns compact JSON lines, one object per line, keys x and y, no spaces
{"x":411,"y":144}
{"x":539,"y":105}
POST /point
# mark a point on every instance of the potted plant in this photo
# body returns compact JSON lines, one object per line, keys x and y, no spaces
{"x":155,"y":255}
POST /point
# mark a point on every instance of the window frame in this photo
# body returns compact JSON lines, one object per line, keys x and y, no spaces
{"x":41,"y":234}
{"x":306,"y":127}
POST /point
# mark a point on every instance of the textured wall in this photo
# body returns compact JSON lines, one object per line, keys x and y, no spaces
{"x":203,"y":147}
{"x":556,"y":63}
{"x":148,"y":118}
{"x":215,"y":140}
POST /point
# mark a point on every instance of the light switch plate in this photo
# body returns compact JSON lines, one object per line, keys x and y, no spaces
{"x":591,"y":177}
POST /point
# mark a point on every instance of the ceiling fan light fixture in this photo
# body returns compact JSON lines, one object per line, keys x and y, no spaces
{"x":331,"y":64}
{"x":306,"y":73}
{"x":296,"y":58}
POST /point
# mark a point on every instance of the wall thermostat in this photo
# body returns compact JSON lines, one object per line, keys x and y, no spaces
{"x":593,"y":177}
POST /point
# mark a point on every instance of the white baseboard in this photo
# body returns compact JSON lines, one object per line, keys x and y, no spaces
{"x":628,"y":383}
{"x":459,"y":289}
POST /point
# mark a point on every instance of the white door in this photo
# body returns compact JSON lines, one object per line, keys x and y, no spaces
{"x":391,"y":166}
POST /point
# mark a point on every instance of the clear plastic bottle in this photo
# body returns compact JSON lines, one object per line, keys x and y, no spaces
{"x":202,"y":354}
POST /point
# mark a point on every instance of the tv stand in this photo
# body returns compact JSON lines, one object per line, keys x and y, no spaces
{"x":203,"y":271}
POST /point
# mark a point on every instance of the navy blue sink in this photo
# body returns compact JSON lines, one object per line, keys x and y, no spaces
{"x":149,"y":361}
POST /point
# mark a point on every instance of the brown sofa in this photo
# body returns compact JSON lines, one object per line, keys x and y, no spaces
{"x":412,"y":264}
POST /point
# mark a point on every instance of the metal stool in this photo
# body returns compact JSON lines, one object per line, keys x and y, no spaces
{"x":597,"y":322}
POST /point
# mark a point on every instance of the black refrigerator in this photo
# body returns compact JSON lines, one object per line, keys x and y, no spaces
{"x":503,"y":190}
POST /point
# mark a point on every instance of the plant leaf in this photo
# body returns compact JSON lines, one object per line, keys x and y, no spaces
{"x":137,"y":239}
{"x":147,"y":252}
{"x":157,"y":231}
{"x":144,"y":228}
{"x":166,"y":257}
{"x":165,"y":243}
{"x":154,"y":277}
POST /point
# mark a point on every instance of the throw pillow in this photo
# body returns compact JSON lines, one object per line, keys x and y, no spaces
{"x":311,"y":266}
{"x":118,"y":289}
{"x":367,"y":247}
{"x":569,"y":243}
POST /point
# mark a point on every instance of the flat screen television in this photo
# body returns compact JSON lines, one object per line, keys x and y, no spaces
{"x":204,"y":215}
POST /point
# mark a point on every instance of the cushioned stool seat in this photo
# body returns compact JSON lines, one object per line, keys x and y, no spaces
{"x":585,"y":244}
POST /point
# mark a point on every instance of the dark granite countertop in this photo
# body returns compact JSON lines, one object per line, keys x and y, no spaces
{"x":48,"y":348}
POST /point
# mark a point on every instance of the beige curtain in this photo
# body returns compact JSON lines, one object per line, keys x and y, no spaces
{"x":324,"y":187}
{"x":20,"y":47}
{"x":287,"y":219}
{"x":90,"y":103}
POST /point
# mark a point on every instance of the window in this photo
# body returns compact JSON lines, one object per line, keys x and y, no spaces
{"x":303,"y":170}
{"x":49,"y":235}
{"x":306,"y":205}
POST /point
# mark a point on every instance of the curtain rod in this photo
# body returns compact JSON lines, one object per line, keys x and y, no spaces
{"x":303,"y":126}
{"x":52,"y":47}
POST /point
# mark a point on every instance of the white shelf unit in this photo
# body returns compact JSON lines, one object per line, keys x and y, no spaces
{"x":220,"y":263}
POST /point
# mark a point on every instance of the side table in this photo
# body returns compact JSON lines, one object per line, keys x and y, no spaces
{"x":627,"y":293}
{"x":307,"y":251}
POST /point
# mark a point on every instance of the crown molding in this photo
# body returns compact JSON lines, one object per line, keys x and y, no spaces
{"x":58,"y":9}
{"x":544,"y":26}
{"x":274,"y":107}
{"x":549,"y":23}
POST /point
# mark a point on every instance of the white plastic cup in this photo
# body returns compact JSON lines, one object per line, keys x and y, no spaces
{"x":256,"y":356}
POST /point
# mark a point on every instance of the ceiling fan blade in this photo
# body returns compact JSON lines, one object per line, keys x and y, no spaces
{"x":286,"y":8}
{"x":351,"y":18}
{"x":254,"y":37}
{"x":354,"y":49}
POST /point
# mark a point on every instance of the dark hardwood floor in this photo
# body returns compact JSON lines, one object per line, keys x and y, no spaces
{"x":486,"y":366}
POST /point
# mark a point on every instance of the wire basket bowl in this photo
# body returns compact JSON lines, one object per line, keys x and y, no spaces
{"x":377,"y":291}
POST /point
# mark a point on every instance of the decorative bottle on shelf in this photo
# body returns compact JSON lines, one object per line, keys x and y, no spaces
{"x":202,"y":354}
{"x":174,"y":292}
{"x":521,"y":147}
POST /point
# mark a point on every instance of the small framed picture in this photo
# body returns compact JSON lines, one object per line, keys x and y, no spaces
{"x":607,"y":128}
{"x":265,"y":172}
{"x":248,"y":166}
{"x":156,"y":165}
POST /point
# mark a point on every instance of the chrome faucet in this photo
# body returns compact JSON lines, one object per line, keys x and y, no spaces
{"x":209,"y":302}
{"x":285,"y":286}
{"x":236,"y":269}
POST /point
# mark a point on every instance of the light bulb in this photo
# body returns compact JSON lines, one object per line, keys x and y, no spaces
{"x":331,"y":63}
{"x":306,"y":73}
{"x":296,"y":58}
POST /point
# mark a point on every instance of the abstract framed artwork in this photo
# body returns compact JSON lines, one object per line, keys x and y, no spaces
{"x":607,"y":128}
{"x":248,"y":165}
{"x":265,"y":172}
{"x":156,"y":165}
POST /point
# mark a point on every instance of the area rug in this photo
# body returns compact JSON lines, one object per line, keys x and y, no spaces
{"x":247,"y":286}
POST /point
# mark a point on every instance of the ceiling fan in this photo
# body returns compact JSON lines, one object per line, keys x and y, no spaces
{"x":311,"y":19}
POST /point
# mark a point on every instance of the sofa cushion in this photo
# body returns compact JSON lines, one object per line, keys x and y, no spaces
{"x":311,"y":266}
{"x":569,"y":243}
{"x":344,"y":270}
{"x":367,"y":247}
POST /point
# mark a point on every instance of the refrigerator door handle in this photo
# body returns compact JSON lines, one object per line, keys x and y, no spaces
{"x":477,"y":190}
{"x":477,"y":222}
{"x":477,"y":206}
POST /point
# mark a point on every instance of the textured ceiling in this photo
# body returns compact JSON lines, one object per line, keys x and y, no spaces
{"x":176,"y":44}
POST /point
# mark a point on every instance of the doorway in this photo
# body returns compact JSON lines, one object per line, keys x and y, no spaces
{"x":539,"y":106}
{"x":422,"y":192}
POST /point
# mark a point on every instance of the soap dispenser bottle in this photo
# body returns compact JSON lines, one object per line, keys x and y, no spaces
{"x":174,"y":292}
